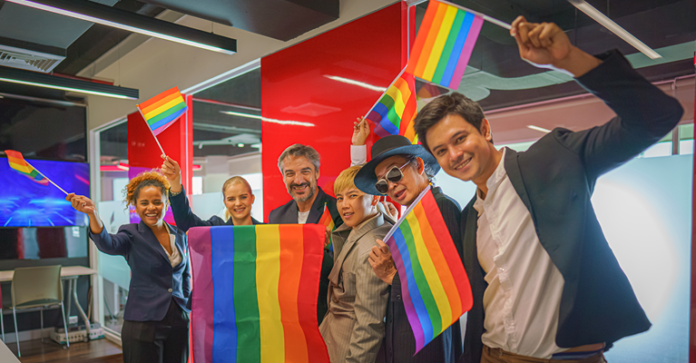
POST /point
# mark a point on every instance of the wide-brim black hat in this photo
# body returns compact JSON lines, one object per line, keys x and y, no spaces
{"x":385,"y":147}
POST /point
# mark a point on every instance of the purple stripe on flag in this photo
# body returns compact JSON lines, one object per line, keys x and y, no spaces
{"x":202,"y":299}
{"x":162,"y":124}
{"x":406,"y":286}
{"x":466,"y":52}
{"x":380,"y":131}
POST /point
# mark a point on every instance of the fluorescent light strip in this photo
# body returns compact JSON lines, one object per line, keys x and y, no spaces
{"x":79,"y":90}
{"x":540,"y":129}
{"x":357,"y":83}
{"x":241,"y":114}
{"x":118,"y":25}
{"x":602,"y":19}
{"x":271,"y":120}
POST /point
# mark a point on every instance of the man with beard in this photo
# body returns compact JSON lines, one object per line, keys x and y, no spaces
{"x":299,"y":164}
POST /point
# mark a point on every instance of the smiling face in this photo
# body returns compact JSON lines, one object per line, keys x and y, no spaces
{"x":410,"y":186}
{"x":463,"y":151}
{"x":355,"y":206}
{"x":238,"y":200}
{"x":150,"y":205}
{"x":300,"y":177}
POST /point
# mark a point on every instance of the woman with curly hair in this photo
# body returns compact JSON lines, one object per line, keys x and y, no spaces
{"x":156,"y":318}
{"x":237,"y":197}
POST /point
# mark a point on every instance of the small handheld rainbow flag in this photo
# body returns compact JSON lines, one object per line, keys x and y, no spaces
{"x":327,"y":220}
{"x":255,"y":293}
{"x":435,"y":287}
{"x":162,"y":110}
{"x":444,"y":44}
{"x":394,"y":112}
{"x":18,"y":163}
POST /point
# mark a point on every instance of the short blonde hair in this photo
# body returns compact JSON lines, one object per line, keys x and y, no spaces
{"x":346,"y":179}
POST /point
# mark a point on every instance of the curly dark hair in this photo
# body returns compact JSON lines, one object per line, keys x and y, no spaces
{"x":146,"y":179}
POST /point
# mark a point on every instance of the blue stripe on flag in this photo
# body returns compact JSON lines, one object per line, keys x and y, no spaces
{"x":383,"y":111}
{"x":457,"y":50}
{"x":162,"y":124}
{"x":224,"y":320}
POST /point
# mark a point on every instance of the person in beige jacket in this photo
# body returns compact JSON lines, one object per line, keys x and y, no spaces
{"x":353,"y":327}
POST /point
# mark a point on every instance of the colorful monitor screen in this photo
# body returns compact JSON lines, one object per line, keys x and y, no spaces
{"x":26,"y":203}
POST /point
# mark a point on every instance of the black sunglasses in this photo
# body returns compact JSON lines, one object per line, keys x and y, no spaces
{"x":393,"y":175}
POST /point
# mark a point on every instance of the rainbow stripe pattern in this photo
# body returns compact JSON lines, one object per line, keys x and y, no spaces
{"x":444,"y":44}
{"x":18,"y":163}
{"x":162,"y":110}
{"x":393,"y":114}
{"x":435,"y":288}
{"x":255,"y":291}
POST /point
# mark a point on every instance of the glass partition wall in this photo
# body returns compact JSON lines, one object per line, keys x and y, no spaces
{"x":227,"y":142}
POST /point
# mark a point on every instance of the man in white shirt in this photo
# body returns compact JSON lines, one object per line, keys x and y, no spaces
{"x":546,"y":285}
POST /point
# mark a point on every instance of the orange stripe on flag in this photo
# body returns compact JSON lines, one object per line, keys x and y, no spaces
{"x":430,"y":40}
{"x":291,"y":244}
{"x":420,"y":40}
{"x":163,"y":101}
{"x":159,"y":97}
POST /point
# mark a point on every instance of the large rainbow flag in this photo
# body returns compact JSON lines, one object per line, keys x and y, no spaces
{"x":162,"y":110}
{"x":444,"y":44}
{"x":395,"y":111}
{"x":18,"y":163}
{"x":255,"y":293}
{"x":435,"y":287}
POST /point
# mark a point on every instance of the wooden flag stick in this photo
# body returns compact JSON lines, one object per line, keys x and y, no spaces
{"x":49,"y":180}
{"x":152,"y":132}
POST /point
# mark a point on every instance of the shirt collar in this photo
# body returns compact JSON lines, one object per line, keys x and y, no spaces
{"x":492,"y":183}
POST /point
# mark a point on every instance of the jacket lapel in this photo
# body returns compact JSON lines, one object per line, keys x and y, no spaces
{"x":317,"y":207}
{"x":350,"y":237}
{"x":512,"y":168}
{"x":148,"y":235}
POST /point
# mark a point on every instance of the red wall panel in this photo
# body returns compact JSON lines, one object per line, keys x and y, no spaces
{"x":303,"y":102}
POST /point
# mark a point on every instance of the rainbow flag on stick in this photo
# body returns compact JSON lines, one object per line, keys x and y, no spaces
{"x":444,"y":44}
{"x":435,"y":287}
{"x":255,"y":293}
{"x":161,"y":111}
{"x":394,"y":112}
{"x":17,"y":162}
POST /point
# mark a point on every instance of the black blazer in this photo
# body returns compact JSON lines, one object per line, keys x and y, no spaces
{"x":154,"y":282}
{"x":287,"y":214}
{"x":555,"y":179}
{"x":185,"y":219}
{"x":399,"y":343}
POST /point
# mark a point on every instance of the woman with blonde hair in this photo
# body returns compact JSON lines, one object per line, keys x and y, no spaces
{"x":237,"y":197}
{"x":156,"y":322}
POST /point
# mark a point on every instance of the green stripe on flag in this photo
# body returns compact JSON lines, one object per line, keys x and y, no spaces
{"x":419,"y":276}
{"x":166,"y":113}
{"x":388,"y":102}
{"x":246,"y":303}
{"x":446,"y":52}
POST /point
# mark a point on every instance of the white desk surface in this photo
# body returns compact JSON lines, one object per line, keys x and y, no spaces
{"x":64,"y":272}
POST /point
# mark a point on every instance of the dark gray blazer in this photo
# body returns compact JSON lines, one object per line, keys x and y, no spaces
{"x":154,"y":282}
{"x":555,"y":179}
{"x":287,"y":214}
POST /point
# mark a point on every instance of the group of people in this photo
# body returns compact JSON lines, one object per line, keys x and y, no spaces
{"x":546,"y":286}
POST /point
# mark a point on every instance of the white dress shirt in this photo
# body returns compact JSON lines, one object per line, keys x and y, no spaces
{"x":302,"y":217}
{"x":523,"y":296}
{"x":175,"y":256}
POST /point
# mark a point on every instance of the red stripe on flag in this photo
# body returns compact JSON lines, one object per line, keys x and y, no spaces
{"x":159,"y":97}
{"x":422,"y":35}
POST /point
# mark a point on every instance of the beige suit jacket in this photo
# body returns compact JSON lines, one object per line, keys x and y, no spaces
{"x":353,"y":328}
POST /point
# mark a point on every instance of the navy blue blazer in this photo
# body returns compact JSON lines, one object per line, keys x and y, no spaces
{"x":154,"y":282}
{"x":185,"y":219}
{"x":555,"y":179}
{"x":287,"y":214}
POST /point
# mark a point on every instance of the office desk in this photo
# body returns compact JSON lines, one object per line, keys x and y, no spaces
{"x":69,"y":274}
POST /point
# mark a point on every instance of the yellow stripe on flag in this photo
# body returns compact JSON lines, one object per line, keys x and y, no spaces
{"x":164,"y":107}
{"x":430,"y":272}
{"x":156,"y":105}
{"x":430,"y":39}
{"x":439,"y":45}
{"x":267,"y":277}
{"x":395,"y":93}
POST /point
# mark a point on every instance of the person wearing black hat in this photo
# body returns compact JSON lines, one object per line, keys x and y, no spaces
{"x":402,"y":171}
